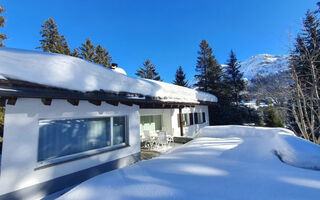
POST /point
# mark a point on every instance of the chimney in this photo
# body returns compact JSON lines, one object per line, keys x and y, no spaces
{"x":114,"y":65}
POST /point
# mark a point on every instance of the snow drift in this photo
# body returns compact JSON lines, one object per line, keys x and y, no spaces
{"x":223,"y":162}
{"x":279,"y":141}
{"x":72,"y":73}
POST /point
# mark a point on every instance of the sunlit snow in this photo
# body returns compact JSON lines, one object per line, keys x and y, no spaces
{"x":224,"y":162}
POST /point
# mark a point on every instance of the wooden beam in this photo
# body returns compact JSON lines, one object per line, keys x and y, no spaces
{"x":12,"y":100}
{"x":180,"y":120}
{"x":126,"y":103}
{"x":114,"y":103}
{"x":74,"y":102}
{"x":95,"y":102}
{"x":46,"y":101}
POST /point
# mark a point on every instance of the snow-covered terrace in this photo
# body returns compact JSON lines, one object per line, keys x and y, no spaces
{"x":226,"y":162}
{"x":70,"y":73}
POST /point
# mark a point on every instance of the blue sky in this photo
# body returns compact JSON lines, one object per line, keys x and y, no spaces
{"x":167,"y":32}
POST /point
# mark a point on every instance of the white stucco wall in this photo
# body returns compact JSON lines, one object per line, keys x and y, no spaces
{"x":188,"y":131}
{"x":166,"y":117}
{"x":170,"y":119}
{"x":19,"y":158}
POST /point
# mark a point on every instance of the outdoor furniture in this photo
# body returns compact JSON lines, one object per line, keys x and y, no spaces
{"x":149,"y":139}
{"x":170,"y":139}
{"x":162,"y":138}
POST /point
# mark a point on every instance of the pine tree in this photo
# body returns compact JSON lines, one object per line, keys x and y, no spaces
{"x":306,"y":42}
{"x":180,"y":77}
{"x":305,"y":71}
{"x":2,"y":24}
{"x":75,"y":53}
{"x":209,"y":77}
{"x":2,"y":109}
{"x":87,"y":51}
{"x":272,"y":118}
{"x":102,"y":56}
{"x":148,"y":71}
{"x":233,"y":78}
{"x":52,"y":41}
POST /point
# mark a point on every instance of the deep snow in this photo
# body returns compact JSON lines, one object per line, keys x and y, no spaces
{"x":226,"y":162}
{"x":76,"y":74}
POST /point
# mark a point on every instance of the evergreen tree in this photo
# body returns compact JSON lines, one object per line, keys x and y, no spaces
{"x":102,"y":56}
{"x":52,"y":41}
{"x":87,"y":51}
{"x":2,"y":24}
{"x":307,"y":42}
{"x":209,"y":77}
{"x":209,"y":72}
{"x":272,"y":118}
{"x":148,"y":71}
{"x":94,"y":54}
{"x":75,"y":53}
{"x":233,"y":79}
{"x":180,"y":77}
{"x":2,"y":109}
{"x":305,"y":71}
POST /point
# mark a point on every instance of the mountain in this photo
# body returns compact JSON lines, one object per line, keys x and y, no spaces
{"x":264,"y":64}
{"x":269,"y":66}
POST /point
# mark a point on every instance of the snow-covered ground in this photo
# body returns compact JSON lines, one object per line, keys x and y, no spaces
{"x":226,"y":162}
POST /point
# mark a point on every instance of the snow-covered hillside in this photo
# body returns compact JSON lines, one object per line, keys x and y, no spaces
{"x":264,"y":64}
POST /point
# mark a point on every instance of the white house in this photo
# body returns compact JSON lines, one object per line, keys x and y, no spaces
{"x":67,"y":120}
{"x":168,"y":120}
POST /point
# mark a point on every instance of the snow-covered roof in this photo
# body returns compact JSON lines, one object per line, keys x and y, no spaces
{"x":120,"y":70}
{"x":72,"y":73}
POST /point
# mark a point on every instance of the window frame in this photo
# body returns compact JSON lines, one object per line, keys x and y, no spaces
{"x":83,"y":154}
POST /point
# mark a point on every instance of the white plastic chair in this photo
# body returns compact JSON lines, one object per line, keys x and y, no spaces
{"x":149,"y":140}
{"x":162,"y":138}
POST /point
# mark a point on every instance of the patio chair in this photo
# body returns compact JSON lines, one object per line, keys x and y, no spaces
{"x":170,"y":139}
{"x":149,"y":140}
{"x":162,"y":138}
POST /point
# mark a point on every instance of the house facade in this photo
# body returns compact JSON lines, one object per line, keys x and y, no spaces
{"x":168,"y":120}
{"x":67,"y":120}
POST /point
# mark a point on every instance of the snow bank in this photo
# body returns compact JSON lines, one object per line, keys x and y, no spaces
{"x":76,"y":74}
{"x":229,"y":162}
{"x":282,"y":142}
{"x":241,"y":131}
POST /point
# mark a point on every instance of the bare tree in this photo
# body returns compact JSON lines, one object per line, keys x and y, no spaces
{"x":305,"y":66}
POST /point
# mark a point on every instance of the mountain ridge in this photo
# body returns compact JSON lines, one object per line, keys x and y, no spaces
{"x":264,"y":64}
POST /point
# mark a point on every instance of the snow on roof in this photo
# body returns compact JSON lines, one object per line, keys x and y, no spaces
{"x":73,"y":73}
{"x":120,"y":70}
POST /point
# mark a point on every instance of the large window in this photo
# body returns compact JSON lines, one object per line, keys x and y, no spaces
{"x":185,"y":119}
{"x":199,"y":118}
{"x":151,"y":123}
{"x":191,"y":118}
{"x":196,"y":118}
{"x":119,"y":130}
{"x":59,"y":138}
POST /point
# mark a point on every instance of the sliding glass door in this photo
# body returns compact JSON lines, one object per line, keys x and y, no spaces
{"x":151,"y":123}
